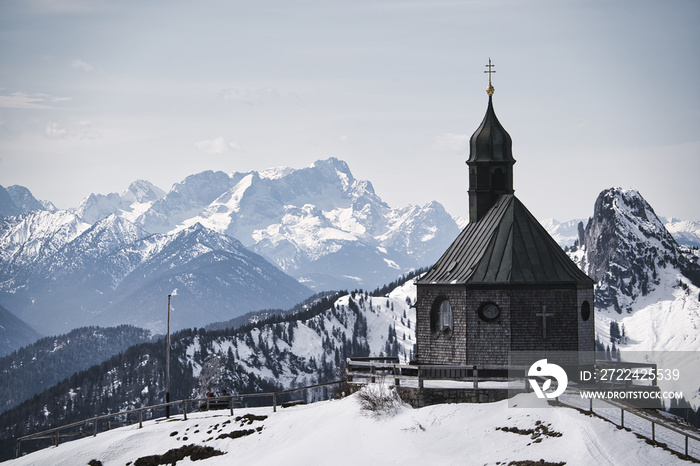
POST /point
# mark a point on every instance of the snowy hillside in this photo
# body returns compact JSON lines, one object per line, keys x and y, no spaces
{"x":307,"y":351}
{"x":340,"y":432}
{"x":648,"y":287}
{"x":298,"y":349}
{"x":58,"y":273}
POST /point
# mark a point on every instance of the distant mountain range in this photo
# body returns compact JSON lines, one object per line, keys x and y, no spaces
{"x":646,"y":283}
{"x":318,"y":224}
{"x":224,"y":244}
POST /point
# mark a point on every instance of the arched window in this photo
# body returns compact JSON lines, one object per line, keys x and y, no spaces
{"x":441,"y":318}
{"x":585,"y":310}
{"x":498,"y":180}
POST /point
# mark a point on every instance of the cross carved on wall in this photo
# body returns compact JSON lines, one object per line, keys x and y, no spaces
{"x":544,"y":314}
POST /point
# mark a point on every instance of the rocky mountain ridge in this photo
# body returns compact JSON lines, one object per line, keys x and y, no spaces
{"x":106,"y":261}
{"x":60,"y":273}
{"x":625,"y":246}
{"x":306,"y":221}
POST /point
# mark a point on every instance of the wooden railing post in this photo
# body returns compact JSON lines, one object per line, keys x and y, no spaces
{"x":475,"y":374}
{"x":184,"y":409}
{"x":140,"y":418}
{"x":274,"y":402}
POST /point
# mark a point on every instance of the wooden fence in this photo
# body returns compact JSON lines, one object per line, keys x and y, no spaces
{"x":368,"y":369}
{"x":221,"y":402}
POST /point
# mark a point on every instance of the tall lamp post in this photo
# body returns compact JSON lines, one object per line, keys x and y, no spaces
{"x":167,"y":365}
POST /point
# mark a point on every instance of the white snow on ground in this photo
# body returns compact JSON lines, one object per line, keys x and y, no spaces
{"x":339,"y":432}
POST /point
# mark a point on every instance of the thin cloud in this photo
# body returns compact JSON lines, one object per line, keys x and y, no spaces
{"x":29,"y":101}
{"x":218,"y":146}
{"x":81,"y":65}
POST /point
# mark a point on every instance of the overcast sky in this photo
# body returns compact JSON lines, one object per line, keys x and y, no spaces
{"x":595,"y":94}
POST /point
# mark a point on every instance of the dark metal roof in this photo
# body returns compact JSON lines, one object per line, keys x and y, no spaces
{"x":490,"y":142}
{"x":507,"y":246}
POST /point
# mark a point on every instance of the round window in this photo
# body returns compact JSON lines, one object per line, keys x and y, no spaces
{"x":489,"y":312}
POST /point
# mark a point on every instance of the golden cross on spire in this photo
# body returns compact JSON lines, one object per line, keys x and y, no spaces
{"x":490,"y":89}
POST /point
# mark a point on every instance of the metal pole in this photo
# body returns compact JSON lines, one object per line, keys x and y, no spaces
{"x":167,"y":366}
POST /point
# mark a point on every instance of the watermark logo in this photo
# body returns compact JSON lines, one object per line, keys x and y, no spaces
{"x":543,"y":369}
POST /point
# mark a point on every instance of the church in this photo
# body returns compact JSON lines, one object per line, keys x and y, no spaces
{"x":504,"y":285}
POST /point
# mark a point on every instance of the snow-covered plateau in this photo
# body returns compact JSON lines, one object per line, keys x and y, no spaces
{"x":340,"y":432}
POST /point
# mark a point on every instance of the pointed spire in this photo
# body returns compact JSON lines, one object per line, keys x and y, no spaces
{"x":490,"y":160}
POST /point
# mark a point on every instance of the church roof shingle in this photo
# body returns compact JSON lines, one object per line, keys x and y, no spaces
{"x":507,"y":246}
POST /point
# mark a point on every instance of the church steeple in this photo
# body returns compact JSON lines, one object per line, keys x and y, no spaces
{"x":490,"y":161}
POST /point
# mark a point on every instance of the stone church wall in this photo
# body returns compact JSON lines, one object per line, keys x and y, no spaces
{"x":441,"y":349}
{"x":561,"y":305}
{"x":518,"y":328}
{"x":489,"y":341}
{"x":586,"y":328}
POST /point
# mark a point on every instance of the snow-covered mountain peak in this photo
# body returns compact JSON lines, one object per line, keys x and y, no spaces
{"x":686,"y":232}
{"x":633,"y":213}
{"x":296,"y":217}
{"x":16,"y":200}
{"x":646,"y":282}
{"x":133,"y":202}
{"x":625,"y":245}
{"x":31,"y":237}
{"x":26,"y":201}
{"x":116,"y":230}
{"x":274,"y":173}
{"x":141,"y":192}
